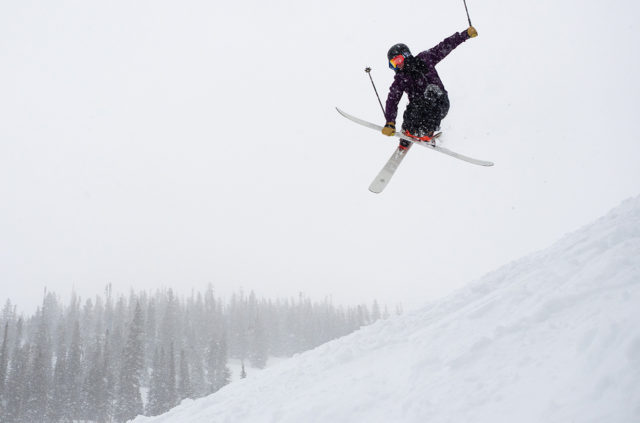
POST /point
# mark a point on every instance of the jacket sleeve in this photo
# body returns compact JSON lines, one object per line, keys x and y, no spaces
{"x":439,"y":52}
{"x":395,"y":94}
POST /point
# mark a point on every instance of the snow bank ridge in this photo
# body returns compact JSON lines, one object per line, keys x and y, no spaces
{"x":553,"y":337}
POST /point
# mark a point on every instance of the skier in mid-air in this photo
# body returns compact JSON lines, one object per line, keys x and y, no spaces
{"x":417,"y":76}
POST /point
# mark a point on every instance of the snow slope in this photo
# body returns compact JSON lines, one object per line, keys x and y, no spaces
{"x":552,"y":337}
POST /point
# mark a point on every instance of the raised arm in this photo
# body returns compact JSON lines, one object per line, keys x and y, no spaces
{"x":439,"y":52}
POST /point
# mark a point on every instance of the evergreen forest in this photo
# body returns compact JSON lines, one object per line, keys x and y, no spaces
{"x":113,"y":357}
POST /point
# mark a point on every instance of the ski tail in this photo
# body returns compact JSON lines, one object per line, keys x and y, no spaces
{"x":389,"y":169}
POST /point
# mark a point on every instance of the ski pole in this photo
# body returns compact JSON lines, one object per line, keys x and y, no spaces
{"x":467,"y":10}
{"x":368,"y":71}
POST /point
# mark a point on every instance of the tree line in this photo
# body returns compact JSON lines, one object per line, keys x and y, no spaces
{"x":113,"y":357}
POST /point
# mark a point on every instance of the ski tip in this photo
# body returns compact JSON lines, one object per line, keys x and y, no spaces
{"x":377,"y":186}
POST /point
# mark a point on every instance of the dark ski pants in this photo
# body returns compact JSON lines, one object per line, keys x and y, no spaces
{"x":422,"y":116}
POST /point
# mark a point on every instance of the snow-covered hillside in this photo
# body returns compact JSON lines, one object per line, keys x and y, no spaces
{"x":553,"y":337}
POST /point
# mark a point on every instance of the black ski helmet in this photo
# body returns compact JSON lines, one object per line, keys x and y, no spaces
{"x":397,"y":50}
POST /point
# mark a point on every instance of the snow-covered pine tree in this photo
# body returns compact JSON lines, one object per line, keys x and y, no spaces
{"x":218,"y":374}
{"x":58,"y":407}
{"x":98,"y":324}
{"x":4,"y":360}
{"x":156,"y":386}
{"x":107,"y":404}
{"x":168,"y":332}
{"x":40,"y":372}
{"x":198,"y":373}
{"x":259,"y":346}
{"x":8,"y":312}
{"x":60,"y":339}
{"x":95,"y":387}
{"x":375,"y":311}
{"x":74,"y":374}
{"x":128,"y":399}
{"x":197,"y":323}
{"x":185,"y":389}
{"x":87,"y":321}
{"x":363,"y":316}
{"x":237,"y":325}
{"x":150,"y":330}
{"x":162,"y":388}
{"x":172,"y":397}
{"x":16,"y":385}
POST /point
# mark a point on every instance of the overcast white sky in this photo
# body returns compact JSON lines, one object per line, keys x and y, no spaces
{"x":175,"y":144}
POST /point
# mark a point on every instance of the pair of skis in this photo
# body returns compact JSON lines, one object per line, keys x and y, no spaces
{"x":381,"y":181}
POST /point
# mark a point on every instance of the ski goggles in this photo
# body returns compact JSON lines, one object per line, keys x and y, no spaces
{"x":396,"y":62}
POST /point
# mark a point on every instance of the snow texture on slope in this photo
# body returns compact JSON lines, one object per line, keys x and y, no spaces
{"x":553,"y":337}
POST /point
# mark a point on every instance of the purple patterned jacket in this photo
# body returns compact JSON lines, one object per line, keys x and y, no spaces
{"x":414,"y":84}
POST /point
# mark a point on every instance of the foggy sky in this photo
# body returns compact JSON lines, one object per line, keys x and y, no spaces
{"x":160,"y":144}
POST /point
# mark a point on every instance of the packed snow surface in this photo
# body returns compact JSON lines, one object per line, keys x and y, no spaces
{"x":553,"y":337}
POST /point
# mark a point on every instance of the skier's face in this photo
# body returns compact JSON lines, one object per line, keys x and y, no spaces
{"x":397,"y":62}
